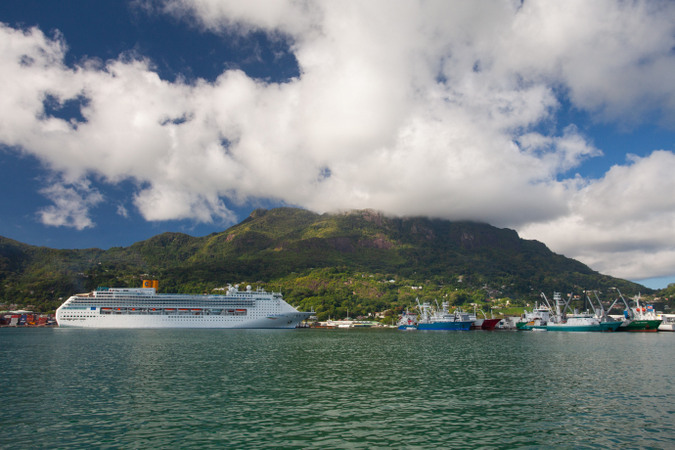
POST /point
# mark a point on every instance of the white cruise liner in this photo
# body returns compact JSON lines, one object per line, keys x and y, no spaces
{"x":145,"y":308}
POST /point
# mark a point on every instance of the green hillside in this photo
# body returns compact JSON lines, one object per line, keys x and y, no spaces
{"x":359,"y":261}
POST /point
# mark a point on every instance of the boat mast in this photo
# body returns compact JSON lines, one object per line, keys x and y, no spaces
{"x":546,"y":301}
{"x":602,"y":308}
{"x":595,"y":311}
{"x":554,"y":316}
{"x":631,"y":314}
{"x":602,"y":314}
{"x":560,"y":313}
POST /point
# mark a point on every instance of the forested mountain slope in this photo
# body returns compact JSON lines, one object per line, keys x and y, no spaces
{"x":328,"y":262}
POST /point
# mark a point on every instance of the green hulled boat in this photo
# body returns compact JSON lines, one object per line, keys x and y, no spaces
{"x":584,"y":323}
{"x":640,"y":325}
{"x":639,"y":317}
{"x":535,"y":319}
{"x":529,"y":326}
{"x":545,"y":318}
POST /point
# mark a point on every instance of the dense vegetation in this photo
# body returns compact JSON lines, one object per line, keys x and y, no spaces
{"x":354,"y":263}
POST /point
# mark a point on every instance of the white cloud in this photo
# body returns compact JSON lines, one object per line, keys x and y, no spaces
{"x":122,"y":211}
{"x":71,"y":205}
{"x":621,"y":224}
{"x":438,"y":108}
{"x":613,"y":57}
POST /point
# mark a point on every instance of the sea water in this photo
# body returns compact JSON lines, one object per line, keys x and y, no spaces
{"x":312,"y":388}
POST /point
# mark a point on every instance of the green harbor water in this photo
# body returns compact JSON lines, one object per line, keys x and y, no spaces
{"x":312,"y":388}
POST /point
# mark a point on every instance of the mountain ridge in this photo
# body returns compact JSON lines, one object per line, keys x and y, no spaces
{"x":312,"y":257}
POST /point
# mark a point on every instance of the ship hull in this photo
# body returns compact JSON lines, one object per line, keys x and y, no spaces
{"x":289,"y":320}
{"x":641,"y":325}
{"x":144,"y":308}
{"x":528,"y":326}
{"x":603,"y":326}
{"x":490,"y":324}
{"x":444,"y":326}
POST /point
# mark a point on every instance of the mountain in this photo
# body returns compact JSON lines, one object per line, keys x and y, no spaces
{"x":360,"y":261}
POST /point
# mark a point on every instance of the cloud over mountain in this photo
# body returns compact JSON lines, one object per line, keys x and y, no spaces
{"x":447,"y":109}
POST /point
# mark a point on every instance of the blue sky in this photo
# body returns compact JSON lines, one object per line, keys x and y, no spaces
{"x":122,"y":120}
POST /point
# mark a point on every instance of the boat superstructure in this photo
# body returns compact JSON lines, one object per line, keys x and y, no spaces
{"x":145,"y":308}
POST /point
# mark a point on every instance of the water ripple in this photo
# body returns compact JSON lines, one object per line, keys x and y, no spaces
{"x":335,"y":389}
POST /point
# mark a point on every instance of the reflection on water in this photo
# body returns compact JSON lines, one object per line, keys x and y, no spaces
{"x":336,"y":388}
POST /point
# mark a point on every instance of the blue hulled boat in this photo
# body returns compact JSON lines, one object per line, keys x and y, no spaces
{"x":407,"y":321}
{"x":441,"y":320}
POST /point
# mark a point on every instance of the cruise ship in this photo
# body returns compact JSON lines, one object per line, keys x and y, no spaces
{"x":145,"y":308}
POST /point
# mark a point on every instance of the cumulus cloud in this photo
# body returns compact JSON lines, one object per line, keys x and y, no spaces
{"x":623,"y":223}
{"x":71,"y":205}
{"x":437,"y":108}
{"x":122,"y":211}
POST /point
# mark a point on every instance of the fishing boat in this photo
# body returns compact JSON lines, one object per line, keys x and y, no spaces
{"x":638,"y":317}
{"x":555,"y":317}
{"x":599,"y":321}
{"x":407,"y":321}
{"x":644,"y":319}
{"x":535,"y":320}
{"x":583,"y":323}
{"x":431,"y":319}
{"x":478,"y":323}
{"x":490,"y":324}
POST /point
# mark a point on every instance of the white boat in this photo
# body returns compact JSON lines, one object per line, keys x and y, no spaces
{"x":342,"y":323}
{"x":667,"y":322}
{"x":145,"y":308}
